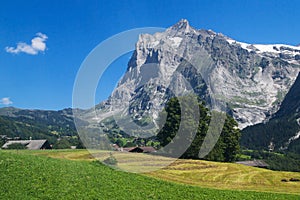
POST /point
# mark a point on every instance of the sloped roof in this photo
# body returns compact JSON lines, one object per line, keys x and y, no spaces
{"x":144,"y":149}
{"x":30,"y":144}
{"x":127,"y":148}
{"x":148,"y":149}
{"x":254,"y":163}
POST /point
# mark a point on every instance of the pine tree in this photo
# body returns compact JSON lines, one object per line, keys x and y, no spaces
{"x":227,"y":145}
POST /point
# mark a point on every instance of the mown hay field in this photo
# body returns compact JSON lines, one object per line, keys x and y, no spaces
{"x":226,"y":176}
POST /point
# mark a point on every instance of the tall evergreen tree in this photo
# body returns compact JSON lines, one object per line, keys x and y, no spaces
{"x":226,"y":147}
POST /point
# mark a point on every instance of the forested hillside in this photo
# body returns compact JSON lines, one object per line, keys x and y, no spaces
{"x":282,"y":130}
{"x":55,"y":126}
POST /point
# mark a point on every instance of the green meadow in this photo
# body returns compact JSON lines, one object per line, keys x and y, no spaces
{"x":77,"y":175}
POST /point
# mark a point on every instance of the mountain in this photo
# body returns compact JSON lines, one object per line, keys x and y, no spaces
{"x":251,"y":80}
{"x":248,"y":81}
{"x":37,"y":124}
{"x":13,"y":129}
{"x":282,"y":131}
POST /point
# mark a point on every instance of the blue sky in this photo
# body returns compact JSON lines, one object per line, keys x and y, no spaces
{"x":40,"y":74}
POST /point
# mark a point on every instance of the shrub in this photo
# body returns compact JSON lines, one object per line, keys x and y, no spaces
{"x":111,"y":160}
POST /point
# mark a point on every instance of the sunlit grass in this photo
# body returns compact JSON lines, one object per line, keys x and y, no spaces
{"x":228,"y":176}
{"x":29,"y":175}
{"x":192,"y":172}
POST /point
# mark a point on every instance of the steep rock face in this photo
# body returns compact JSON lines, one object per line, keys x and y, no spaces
{"x":282,"y":131}
{"x":251,"y":79}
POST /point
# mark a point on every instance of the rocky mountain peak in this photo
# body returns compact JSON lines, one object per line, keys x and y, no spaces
{"x":181,"y":24}
{"x":181,"y":27}
{"x":252,"y":79}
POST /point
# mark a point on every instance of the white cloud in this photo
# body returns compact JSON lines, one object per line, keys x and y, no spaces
{"x":38,"y":44}
{"x":5,"y":101}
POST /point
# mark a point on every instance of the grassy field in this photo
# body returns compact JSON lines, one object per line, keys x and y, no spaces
{"x":194,"y":172}
{"x":229,"y":176}
{"x":28,"y":175}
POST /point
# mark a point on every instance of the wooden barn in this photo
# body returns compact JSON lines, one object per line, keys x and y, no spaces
{"x":142,"y":150}
{"x":148,"y":149}
{"x":254,"y":163}
{"x":29,"y":144}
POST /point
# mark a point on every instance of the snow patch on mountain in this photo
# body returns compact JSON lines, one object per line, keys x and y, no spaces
{"x":268,"y":48}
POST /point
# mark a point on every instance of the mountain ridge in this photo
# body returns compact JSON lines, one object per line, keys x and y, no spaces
{"x":251,"y":80}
